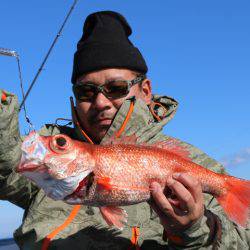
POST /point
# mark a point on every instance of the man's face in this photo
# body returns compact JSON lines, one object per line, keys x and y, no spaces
{"x":97,"y":114}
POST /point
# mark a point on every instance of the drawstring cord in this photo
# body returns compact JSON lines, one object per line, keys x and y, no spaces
{"x":50,"y":236}
{"x":76,"y":121}
{"x":153,"y":107}
{"x":134,"y":239}
{"x":130,"y":111}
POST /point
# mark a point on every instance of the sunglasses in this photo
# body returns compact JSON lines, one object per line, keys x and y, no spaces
{"x":111,"y":89}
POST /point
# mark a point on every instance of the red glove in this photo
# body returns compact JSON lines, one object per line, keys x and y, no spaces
{"x":3,"y":97}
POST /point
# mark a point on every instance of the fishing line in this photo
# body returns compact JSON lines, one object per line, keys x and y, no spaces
{"x":13,"y":53}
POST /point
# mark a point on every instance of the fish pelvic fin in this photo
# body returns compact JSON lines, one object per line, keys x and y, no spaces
{"x":114,"y":216}
{"x":236,"y":200}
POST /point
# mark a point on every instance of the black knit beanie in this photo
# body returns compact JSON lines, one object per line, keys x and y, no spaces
{"x":105,"y":44}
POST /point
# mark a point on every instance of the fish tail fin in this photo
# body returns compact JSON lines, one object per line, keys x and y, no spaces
{"x":236,"y":200}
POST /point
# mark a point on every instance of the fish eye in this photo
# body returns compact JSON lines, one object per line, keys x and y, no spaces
{"x":60,"y":144}
{"x":61,"y":141}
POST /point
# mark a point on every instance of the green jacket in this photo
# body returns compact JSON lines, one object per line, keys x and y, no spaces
{"x":88,"y":230}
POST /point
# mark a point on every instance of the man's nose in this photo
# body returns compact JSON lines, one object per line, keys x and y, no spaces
{"x":101,"y":101}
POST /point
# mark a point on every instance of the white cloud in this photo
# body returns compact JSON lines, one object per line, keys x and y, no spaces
{"x":236,"y":159}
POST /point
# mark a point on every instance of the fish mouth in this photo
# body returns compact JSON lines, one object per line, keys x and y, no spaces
{"x":85,"y":183}
{"x":33,"y":154}
{"x":28,"y":165}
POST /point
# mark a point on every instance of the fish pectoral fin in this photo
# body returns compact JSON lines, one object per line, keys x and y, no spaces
{"x":104,"y":183}
{"x":114,"y":216}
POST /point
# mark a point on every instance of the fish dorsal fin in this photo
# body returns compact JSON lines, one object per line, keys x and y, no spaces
{"x":174,"y":146}
{"x":113,"y":140}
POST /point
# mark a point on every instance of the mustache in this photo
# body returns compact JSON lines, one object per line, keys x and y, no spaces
{"x":96,"y":116}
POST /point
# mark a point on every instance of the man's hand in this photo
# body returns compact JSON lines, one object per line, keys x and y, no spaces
{"x":180,"y":205}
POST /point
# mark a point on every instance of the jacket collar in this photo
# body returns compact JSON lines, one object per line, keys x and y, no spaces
{"x":146,"y":122}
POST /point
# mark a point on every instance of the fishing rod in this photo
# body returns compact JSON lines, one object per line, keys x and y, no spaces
{"x":48,"y":53}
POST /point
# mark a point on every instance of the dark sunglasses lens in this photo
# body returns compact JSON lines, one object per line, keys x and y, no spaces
{"x":116,"y":89}
{"x":84,"y":92}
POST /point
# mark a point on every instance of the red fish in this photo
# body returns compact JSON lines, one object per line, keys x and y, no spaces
{"x":119,"y":173}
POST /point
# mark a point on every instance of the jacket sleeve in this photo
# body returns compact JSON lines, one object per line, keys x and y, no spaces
{"x":13,"y":187}
{"x":214,"y":230}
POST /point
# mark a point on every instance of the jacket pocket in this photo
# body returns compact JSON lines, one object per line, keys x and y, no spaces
{"x":138,"y":215}
{"x":46,"y":206}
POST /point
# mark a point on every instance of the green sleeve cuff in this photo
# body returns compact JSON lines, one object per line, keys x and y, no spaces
{"x":202,"y":234}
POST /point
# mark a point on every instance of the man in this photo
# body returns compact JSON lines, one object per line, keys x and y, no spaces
{"x":113,"y":97}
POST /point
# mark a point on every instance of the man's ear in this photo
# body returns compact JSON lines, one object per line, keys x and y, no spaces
{"x":146,"y":91}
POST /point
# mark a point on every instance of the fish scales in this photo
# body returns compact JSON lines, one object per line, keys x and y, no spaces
{"x":119,"y":174}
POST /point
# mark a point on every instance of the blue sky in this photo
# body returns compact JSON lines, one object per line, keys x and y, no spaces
{"x":197,"y":52}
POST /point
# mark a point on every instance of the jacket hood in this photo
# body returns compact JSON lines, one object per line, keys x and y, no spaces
{"x":145,"y":121}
